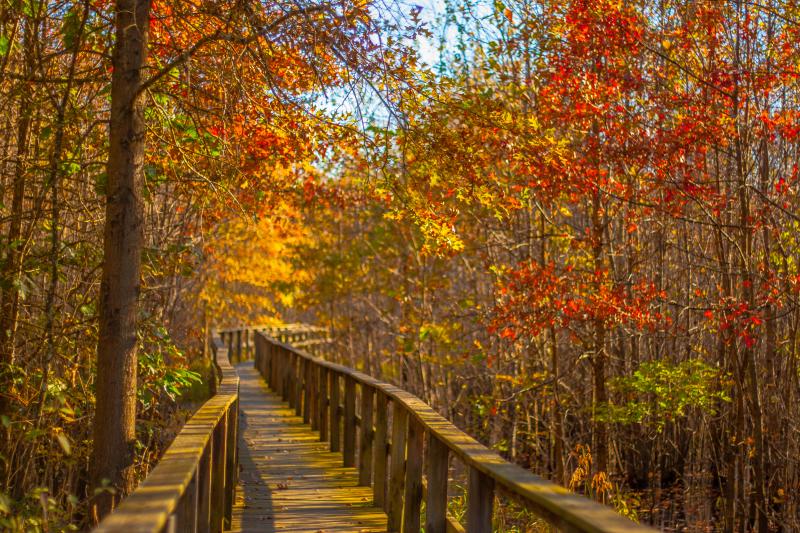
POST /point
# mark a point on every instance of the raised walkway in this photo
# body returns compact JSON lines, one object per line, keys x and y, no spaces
{"x":246,"y":461}
{"x":288,"y":479}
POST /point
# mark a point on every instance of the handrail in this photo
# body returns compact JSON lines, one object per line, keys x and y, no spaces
{"x":240,"y":344}
{"x":312,"y":386}
{"x":192,"y":487}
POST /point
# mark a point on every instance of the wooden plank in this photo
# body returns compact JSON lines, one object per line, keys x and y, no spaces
{"x":367,"y":434}
{"x":379,"y":450}
{"x":397,"y":469}
{"x":437,"y":462}
{"x":335,"y":414}
{"x":480,"y":502}
{"x":349,"y":450}
{"x":412,"y":498}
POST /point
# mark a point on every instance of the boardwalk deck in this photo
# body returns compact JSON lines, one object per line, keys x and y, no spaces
{"x":288,"y":480}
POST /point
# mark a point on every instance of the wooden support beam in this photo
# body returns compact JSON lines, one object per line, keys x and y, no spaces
{"x":379,"y":450}
{"x":204,"y":485}
{"x":335,"y":414}
{"x":412,"y":498}
{"x":367,"y":433}
{"x":323,"y":404}
{"x":480,"y":502}
{"x":437,"y":460}
{"x":307,"y":394}
{"x":397,"y":476}
{"x":349,"y":450}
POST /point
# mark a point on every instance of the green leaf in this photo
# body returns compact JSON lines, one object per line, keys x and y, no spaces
{"x":5,"y":45}
{"x":70,"y":27}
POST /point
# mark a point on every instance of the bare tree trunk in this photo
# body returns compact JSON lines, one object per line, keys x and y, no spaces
{"x":115,"y":415}
{"x":600,"y":445}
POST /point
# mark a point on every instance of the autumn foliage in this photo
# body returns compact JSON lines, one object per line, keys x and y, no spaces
{"x":573,"y":230}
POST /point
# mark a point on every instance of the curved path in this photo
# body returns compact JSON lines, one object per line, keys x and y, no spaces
{"x":288,"y":480}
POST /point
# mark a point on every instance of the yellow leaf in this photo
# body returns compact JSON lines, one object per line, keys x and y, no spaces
{"x":63,"y":440}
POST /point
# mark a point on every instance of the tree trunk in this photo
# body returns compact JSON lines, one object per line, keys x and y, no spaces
{"x":115,"y":415}
{"x":12,"y":265}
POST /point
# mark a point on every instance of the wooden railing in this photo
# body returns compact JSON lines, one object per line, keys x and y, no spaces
{"x":239,"y":341}
{"x":404,"y":453}
{"x":193,"y":486}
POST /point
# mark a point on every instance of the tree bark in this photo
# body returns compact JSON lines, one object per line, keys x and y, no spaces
{"x":115,"y":414}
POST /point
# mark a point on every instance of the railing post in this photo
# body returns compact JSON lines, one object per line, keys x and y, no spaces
{"x":260,"y":359}
{"x":412,"y":499}
{"x":232,"y":461}
{"x":379,"y":450}
{"x":298,"y":385}
{"x":480,"y":501}
{"x":260,"y":343}
{"x":397,"y":471}
{"x":349,"y":451}
{"x":286,"y":369}
{"x":313,"y":395}
{"x":275,"y":368}
{"x":238,"y":345}
{"x":219,"y":457}
{"x":333,"y":408}
{"x":322,"y":409}
{"x":437,"y":462}
{"x":204,"y":489}
{"x":291,"y":382}
{"x":186,"y":514}
{"x":307,"y":391}
{"x":367,"y":433}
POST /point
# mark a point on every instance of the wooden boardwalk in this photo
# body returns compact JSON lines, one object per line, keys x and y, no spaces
{"x":288,"y":480}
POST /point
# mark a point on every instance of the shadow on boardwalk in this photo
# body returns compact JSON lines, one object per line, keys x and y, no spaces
{"x":288,"y":480}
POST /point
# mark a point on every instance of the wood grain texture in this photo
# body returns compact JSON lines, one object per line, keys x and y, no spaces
{"x":289,"y":481}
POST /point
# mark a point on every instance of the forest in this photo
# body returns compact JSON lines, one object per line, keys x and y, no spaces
{"x":570,"y":226}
